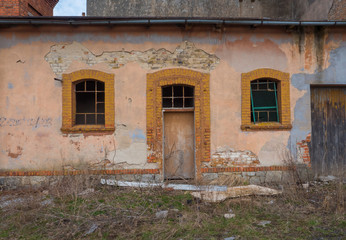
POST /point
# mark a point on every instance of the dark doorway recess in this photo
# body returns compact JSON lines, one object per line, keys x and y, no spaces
{"x":328,"y":124}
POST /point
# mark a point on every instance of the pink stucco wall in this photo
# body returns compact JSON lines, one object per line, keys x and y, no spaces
{"x":31,"y":101}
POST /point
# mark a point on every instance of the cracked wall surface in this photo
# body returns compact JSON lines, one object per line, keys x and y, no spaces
{"x":186,"y":54}
{"x":30,"y":98}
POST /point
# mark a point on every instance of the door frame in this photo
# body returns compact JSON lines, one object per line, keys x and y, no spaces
{"x":200,"y":82}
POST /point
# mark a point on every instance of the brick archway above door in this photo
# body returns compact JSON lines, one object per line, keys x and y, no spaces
{"x":200,"y":81}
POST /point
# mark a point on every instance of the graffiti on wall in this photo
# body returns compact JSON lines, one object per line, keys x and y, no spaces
{"x":31,"y":122}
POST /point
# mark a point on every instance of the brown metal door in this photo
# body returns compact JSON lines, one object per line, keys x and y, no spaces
{"x":179,"y":145}
{"x":328,"y":124}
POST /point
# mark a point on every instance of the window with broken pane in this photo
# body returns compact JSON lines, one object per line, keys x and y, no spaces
{"x":177,"y":96}
{"x":89,"y":102}
{"x":264,"y":103}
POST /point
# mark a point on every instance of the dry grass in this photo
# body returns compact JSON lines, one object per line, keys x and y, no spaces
{"x":68,"y":209}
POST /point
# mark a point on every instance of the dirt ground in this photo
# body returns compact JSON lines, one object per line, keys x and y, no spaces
{"x":76,"y":208}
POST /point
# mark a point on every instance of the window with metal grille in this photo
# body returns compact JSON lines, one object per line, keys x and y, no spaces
{"x":264,"y":101}
{"x":89,"y":102}
{"x":177,"y":96}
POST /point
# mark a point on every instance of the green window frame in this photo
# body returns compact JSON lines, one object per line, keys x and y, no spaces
{"x":264,"y":101}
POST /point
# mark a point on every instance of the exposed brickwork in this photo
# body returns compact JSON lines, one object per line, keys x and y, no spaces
{"x":80,"y":172}
{"x":200,"y":81}
{"x":227,"y":157}
{"x":186,"y":55}
{"x":303,"y":150}
{"x":27,"y":7}
{"x":283,"y":100}
{"x":9,"y":8}
{"x":68,"y":105}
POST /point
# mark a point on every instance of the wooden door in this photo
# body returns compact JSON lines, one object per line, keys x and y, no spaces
{"x":328,"y":124}
{"x":179,"y":145}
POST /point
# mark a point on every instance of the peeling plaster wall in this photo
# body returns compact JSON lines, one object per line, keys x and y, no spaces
{"x":30,"y":99}
{"x":61,"y":56}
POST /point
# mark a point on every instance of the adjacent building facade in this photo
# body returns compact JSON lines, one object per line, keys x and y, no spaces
{"x":27,"y":7}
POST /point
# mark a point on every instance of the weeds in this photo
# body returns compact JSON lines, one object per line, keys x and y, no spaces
{"x":73,"y":211}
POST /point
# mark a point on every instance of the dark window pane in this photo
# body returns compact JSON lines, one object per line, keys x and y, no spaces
{"x":167,"y":91}
{"x":100,"y":119}
{"x":101,"y":108}
{"x":177,"y":91}
{"x":80,"y":119}
{"x":178,"y":102}
{"x":273,"y":116}
{"x":263,"y":84}
{"x":85,"y":102}
{"x":254,"y":86}
{"x":80,"y":86}
{"x":167,"y":102}
{"x":271,"y":86}
{"x":100,"y":86}
{"x":263,"y":117}
{"x":90,"y":119}
{"x":100,"y":96}
{"x":188,"y":102}
{"x":188,"y":91}
{"x":90,"y":85}
{"x":264,"y":99}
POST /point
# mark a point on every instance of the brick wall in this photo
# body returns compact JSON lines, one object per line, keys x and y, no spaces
{"x":303,"y":150}
{"x":9,"y":7}
{"x":27,"y":7}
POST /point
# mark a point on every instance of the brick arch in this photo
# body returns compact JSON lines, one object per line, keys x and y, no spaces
{"x":200,"y":81}
{"x":283,"y":99}
{"x":68,"y":109}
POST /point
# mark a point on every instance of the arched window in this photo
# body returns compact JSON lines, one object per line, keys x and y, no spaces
{"x":264,"y":101}
{"x":89,"y":102}
{"x":177,"y":96}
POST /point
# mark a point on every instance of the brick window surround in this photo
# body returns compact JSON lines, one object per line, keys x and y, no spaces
{"x":69,"y":105}
{"x":283,"y":95}
{"x":200,"y":82}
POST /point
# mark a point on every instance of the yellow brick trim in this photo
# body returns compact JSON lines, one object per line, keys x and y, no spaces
{"x":68,"y":101}
{"x":283,"y":100}
{"x":200,"y":81}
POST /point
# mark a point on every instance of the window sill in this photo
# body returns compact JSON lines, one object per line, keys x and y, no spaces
{"x":269,"y":126}
{"x":87,"y":128}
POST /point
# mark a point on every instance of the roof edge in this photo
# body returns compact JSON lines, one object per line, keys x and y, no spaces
{"x":74,"y":20}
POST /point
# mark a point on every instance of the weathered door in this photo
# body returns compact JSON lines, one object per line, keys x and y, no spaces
{"x":328,"y":136}
{"x":179,"y":145}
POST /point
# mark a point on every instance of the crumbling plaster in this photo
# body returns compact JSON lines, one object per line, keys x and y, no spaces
{"x":185,"y":55}
{"x":24,"y":69}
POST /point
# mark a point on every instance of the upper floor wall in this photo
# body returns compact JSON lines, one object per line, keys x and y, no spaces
{"x":263,"y":9}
